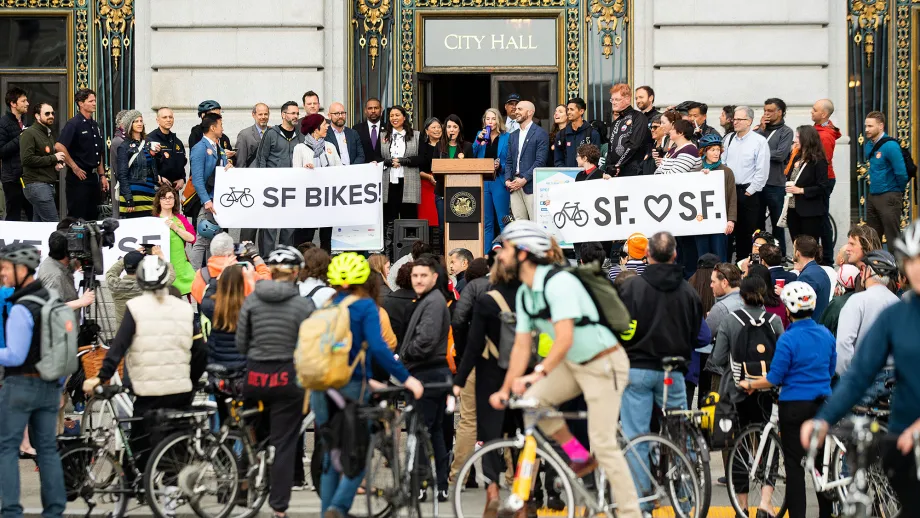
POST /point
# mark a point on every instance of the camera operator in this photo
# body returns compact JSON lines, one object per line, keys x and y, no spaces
{"x":125,"y":288}
{"x":56,"y":273}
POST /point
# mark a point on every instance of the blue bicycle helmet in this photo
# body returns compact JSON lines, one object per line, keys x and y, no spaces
{"x":208,"y":229}
{"x":710,"y":140}
{"x":207,"y":106}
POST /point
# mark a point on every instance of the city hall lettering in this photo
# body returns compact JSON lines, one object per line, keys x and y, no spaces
{"x":497,"y":42}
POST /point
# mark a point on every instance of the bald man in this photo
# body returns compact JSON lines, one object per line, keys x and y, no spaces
{"x":247,"y":142}
{"x":821,"y":115}
{"x":346,"y":140}
{"x":171,"y":162}
{"x":528,"y":148}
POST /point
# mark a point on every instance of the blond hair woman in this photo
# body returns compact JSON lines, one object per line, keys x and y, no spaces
{"x":492,"y":142}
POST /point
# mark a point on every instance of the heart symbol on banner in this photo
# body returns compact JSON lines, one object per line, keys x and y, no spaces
{"x":658,"y":201}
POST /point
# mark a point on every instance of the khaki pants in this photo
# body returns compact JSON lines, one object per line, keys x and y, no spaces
{"x":466,"y":430}
{"x":602,"y":382}
{"x":522,"y":205}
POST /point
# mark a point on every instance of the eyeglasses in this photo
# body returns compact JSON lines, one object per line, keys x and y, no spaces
{"x":656,"y":126}
{"x":739,"y":120}
{"x":170,"y":198}
{"x":336,"y":114}
{"x":48,"y":113}
{"x":296,"y":114}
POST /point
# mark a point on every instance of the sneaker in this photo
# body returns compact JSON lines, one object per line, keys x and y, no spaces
{"x":422,"y":495}
{"x":170,"y":500}
{"x":582,"y":468}
{"x":722,"y":481}
{"x":299,"y":488}
{"x":443,"y":495}
{"x":763,"y":514}
{"x":555,"y":503}
{"x":332,"y":512}
{"x":79,"y":408}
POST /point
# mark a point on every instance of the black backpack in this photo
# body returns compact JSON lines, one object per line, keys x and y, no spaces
{"x":752,"y":353}
{"x":346,"y":437}
{"x":908,"y":160}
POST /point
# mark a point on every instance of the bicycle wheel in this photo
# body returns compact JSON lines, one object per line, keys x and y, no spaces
{"x":751,"y":479}
{"x":253,"y":478}
{"x":886,"y":503}
{"x":838,"y":468}
{"x":663,"y":475}
{"x":696,"y":449}
{"x":382,"y":477}
{"x":95,"y":476}
{"x":548,"y":467}
{"x":177,"y":475}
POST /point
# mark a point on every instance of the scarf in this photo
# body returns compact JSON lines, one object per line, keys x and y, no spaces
{"x":319,"y":151}
{"x":707,"y":165}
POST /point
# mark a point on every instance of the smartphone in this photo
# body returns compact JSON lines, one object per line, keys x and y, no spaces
{"x":755,"y":258}
{"x":238,"y":249}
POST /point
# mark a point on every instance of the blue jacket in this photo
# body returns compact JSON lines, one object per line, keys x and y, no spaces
{"x":887,"y":172}
{"x":568,"y":140}
{"x":365,"y":327}
{"x":479,"y":150}
{"x":894,"y":333}
{"x":5,"y":308}
{"x":204,"y":159}
{"x":804,"y":361}
{"x":221,"y":344}
{"x":533,"y":155}
{"x":817,"y":278}
{"x":353,"y":141}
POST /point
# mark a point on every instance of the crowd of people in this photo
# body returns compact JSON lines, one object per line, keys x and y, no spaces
{"x":431,"y":316}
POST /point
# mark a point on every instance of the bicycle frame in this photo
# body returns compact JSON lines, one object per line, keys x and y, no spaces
{"x":820,"y":477}
{"x":771,"y":425}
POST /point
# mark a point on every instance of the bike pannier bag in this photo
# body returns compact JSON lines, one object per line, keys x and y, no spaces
{"x":324,"y":343}
{"x":59,"y":331}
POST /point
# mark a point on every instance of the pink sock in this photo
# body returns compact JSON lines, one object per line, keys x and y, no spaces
{"x":575,"y":450}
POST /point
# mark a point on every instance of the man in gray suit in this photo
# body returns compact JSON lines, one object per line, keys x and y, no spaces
{"x":528,"y":148}
{"x":247,"y":143}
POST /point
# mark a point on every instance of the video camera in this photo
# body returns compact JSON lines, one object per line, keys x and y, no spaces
{"x":85,"y":240}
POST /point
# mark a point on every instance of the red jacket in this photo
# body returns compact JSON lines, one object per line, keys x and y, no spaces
{"x":829,"y":135}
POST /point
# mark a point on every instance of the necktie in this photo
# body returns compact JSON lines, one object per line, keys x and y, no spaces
{"x":374,"y":136}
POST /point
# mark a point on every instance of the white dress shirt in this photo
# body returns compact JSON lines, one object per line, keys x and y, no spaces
{"x":343,"y":145}
{"x":749,"y":159}
{"x":397,"y":150}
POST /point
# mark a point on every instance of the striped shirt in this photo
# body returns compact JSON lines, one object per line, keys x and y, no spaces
{"x":632,"y":264}
{"x":682,"y":160}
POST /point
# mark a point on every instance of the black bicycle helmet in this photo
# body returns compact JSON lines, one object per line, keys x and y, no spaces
{"x":207,"y":106}
{"x":882,"y":263}
{"x":285,"y":256}
{"x":152,"y":273}
{"x":20,"y":253}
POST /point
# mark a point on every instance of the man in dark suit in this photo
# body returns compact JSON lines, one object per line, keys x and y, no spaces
{"x":248,"y":140}
{"x":772,"y":257}
{"x":346,"y":140}
{"x":369,"y":130}
{"x":528,"y":149}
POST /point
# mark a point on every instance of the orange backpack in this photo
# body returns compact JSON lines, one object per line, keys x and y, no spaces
{"x":451,"y":348}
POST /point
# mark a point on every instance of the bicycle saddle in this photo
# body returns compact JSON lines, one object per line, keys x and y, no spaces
{"x":216,"y":369}
{"x":673,"y":362}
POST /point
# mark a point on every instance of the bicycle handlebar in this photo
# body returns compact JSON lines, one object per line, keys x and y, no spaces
{"x":813,"y":446}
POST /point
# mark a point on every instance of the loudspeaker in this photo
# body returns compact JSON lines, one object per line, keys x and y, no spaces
{"x":405,"y":233}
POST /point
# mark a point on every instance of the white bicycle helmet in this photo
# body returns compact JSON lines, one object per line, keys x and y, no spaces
{"x":152,"y":273}
{"x":528,"y":236}
{"x":846,"y":276}
{"x":799,"y":296}
{"x":285,"y":256}
{"x":908,"y":245}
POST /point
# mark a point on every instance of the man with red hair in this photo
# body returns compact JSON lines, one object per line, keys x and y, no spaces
{"x":627,"y":135}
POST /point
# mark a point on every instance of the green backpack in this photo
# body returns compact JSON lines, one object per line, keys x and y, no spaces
{"x":611,"y":311}
{"x":59,"y":330}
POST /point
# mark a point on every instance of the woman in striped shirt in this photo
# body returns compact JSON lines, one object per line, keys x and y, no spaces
{"x":683,"y":157}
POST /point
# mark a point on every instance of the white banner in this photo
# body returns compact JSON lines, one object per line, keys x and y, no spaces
{"x":688,"y":204}
{"x":128,"y":237}
{"x":299,"y":198}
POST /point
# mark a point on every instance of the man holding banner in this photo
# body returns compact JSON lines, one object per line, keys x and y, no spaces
{"x":205,"y":157}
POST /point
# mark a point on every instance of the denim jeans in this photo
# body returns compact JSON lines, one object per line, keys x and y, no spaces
{"x":647,"y":386}
{"x":771,"y":198}
{"x":877,"y":389}
{"x":336,"y":490}
{"x":33,"y":402}
{"x":712,"y":244}
{"x":41,"y":196}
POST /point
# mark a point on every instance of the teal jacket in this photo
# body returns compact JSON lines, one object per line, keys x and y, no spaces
{"x":887,"y":172}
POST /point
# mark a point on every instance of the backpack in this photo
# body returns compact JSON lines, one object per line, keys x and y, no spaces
{"x":346,"y":437}
{"x":508,"y":332}
{"x":751,"y":355}
{"x":611,"y":311}
{"x":59,"y":331}
{"x":323,"y":345}
{"x":908,"y":160}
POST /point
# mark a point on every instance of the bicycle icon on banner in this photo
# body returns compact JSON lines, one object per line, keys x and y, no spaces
{"x":571,"y":212}
{"x":242,"y":196}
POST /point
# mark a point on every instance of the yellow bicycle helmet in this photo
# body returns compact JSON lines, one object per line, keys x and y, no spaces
{"x":348,"y":269}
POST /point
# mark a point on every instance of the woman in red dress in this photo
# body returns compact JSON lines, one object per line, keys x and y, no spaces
{"x":434,"y":146}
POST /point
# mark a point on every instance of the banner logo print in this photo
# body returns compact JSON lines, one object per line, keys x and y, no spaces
{"x":571,"y":212}
{"x":242,"y":196}
{"x":658,"y":201}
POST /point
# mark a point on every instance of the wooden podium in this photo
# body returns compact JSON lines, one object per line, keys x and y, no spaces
{"x":463,"y":199}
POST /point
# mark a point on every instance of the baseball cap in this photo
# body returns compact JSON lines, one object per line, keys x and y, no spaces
{"x":708,"y":261}
{"x":637,"y":246}
{"x":132,"y":259}
{"x":513,"y":98}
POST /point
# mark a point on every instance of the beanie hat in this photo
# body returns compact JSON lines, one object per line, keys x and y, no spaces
{"x":124,"y":123}
{"x":637,"y":246}
{"x":311,"y":123}
{"x":132,"y":259}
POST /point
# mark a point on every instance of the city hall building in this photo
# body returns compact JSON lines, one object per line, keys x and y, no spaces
{"x":437,"y":57}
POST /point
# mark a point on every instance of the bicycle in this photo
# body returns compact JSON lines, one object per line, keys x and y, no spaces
{"x":394,"y":481}
{"x":757,"y":456}
{"x":242,"y":196}
{"x":684,"y":428}
{"x":670,"y":473}
{"x":571,"y":212}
